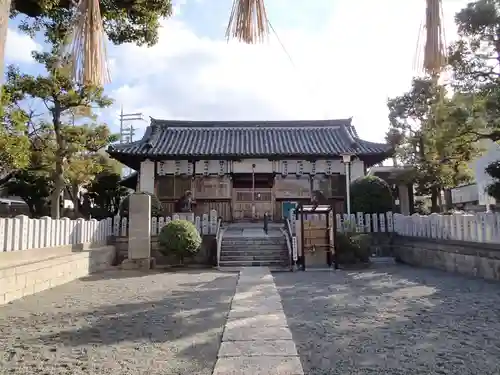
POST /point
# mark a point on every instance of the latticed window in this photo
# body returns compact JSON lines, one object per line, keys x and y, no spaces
{"x":172,"y":186}
{"x":330,"y":186}
{"x":211,"y":187}
{"x":292,"y":187}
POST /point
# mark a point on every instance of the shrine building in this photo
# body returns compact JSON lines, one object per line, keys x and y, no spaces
{"x":245,"y":169}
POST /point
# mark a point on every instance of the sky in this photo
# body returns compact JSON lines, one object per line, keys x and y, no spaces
{"x":336,"y":59}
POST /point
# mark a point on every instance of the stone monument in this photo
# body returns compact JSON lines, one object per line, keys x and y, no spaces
{"x":139,"y":233}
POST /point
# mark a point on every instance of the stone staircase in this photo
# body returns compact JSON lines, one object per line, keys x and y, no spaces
{"x":246,"y":244}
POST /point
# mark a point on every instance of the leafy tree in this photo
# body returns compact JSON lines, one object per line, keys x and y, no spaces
{"x":81,"y":171}
{"x":14,"y":141}
{"x":371,"y":194}
{"x":435,"y":134}
{"x":105,"y":193}
{"x":180,"y":238}
{"x":32,"y":187}
{"x":156,"y":207}
{"x":474,"y":60}
{"x":493,"y":189}
{"x":124,"y":21}
{"x":59,"y":94}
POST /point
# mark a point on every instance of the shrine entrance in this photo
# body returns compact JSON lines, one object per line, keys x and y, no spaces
{"x":315,"y":228}
{"x":252,"y":196}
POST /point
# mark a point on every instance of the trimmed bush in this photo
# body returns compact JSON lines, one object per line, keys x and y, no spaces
{"x":156,"y":207}
{"x":371,"y":194}
{"x":352,"y":248}
{"x":179,"y":238}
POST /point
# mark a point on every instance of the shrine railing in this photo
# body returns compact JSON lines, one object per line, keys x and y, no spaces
{"x":206,"y":223}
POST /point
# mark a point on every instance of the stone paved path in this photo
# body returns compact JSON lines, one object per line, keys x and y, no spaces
{"x":390,"y":320}
{"x":256,"y":338}
{"x":119,"y":322}
{"x":393,"y":320}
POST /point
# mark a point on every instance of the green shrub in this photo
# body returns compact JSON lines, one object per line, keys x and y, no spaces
{"x":352,"y":248}
{"x":371,"y":194}
{"x":156,"y":207}
{"x":179,"y":238}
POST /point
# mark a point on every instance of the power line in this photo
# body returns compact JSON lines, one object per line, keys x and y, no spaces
{"x":290,"y":59}
{"x":282,"y":45}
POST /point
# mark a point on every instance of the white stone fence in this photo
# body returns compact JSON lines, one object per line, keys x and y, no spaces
{"x":206,"y":224}
{"x":359,"y":222}
{"x":22,"y":233}
{"x":478,"y":227}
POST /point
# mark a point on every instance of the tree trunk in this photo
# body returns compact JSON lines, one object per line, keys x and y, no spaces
{"x":448,"y":203}
{"x":76,"y":200}
{"x":440,"y":200}
{"x":32,"y":209}
{"x":55,"y":211}
{"x":434,"y":199}
{"x":4,"y":26}
{"x":55,"y":197}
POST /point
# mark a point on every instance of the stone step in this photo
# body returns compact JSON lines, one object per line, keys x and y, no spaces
{"x":259,"y":258}
{"x":252,"y":241}
{"x":253,"y":263}
{"x":251,"y":247}
{"x":271,"y":268}
{"x":254,"y":252}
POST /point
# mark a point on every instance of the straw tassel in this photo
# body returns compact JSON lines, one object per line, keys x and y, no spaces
{"x":87,"y":46}
{"x":434,"y":51}
{"x":248,"y":21}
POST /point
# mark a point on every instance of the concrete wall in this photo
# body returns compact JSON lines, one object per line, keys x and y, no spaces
{"x":26,"y":272}
{"x":467,"y":258}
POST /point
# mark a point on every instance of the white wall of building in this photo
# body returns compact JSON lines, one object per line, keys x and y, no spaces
{"x":476,"y":191}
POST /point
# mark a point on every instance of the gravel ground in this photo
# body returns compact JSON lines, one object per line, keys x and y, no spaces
{"x":393,"y":320}
{"x":119,"y":322}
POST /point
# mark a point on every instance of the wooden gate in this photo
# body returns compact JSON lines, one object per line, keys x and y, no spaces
{"x":242,"y":206}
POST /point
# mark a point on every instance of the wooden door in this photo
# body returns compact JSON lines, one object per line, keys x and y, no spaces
{"x":242,"y":206}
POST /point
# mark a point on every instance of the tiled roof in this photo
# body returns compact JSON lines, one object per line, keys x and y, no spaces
{"x":249,"y":139}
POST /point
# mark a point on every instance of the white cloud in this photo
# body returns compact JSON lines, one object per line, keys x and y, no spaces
{"x":349,"y":68}
{"x":19,"y":47}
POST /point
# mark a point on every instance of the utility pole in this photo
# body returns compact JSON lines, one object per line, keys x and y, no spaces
{"x":127,"y":132}
{"x":127,"y":135}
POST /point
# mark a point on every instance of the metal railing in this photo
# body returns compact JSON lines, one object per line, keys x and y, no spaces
{"x":218,"y":238}
{"x":289,"y":242}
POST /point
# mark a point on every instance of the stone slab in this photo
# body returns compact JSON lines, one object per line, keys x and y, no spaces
{"x":242,"y":292}
{"x":256,"y":281}
{"x":263,"y":365}
{"x":285,"y":348}
{"x":268,"y":320}
{"x":246,"y":295}
{"x":257,"y":296}
{"x":139,"y":238}
{"x":245,"y":312}
{"x":270,"y":303}
{"x":257,"y":333}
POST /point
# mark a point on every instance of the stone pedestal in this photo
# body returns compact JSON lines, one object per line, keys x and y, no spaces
{"x":139,"y":233}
